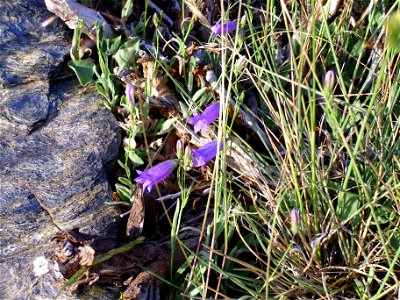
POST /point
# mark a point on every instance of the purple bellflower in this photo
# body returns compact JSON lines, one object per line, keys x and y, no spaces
{"x":205,"y":153}
{"x":228,"y":27}
{"x":155,"y":174}
{"x":209,"y":115}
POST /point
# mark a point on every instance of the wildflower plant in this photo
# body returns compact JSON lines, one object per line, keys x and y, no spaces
{"x":314,"y":134}
{"x":198,"y":158}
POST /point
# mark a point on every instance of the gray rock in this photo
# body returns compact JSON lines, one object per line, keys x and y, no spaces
{"x":56,"y":141}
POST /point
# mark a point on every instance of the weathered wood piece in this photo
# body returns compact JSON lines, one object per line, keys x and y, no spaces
{"x":71,"y":12}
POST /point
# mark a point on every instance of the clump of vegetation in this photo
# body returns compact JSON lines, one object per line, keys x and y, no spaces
{"x":302,"y":200}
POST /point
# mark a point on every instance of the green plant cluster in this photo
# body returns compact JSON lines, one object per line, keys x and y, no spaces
{"x":330,"y":150}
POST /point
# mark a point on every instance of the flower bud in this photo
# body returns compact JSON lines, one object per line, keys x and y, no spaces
{"x":130,"y":94}
{"x":295,"y":221}
{"x":243,"y":21}
{"x":187,"y":158}
{"x":329,"y":81}
{"x":240,"y":64}
{"x":179,"y":149}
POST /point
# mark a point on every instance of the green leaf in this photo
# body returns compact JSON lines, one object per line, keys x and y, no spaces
{"x":134,"y":157}
{"x":158,"y":125}
{"x":107,"y":105}
{"x":360,"y":288}
{"x":371,"y":275}
{"x":124,"y":192}
{"x":101,"y":41}
{"x":192,"y":66}
{"x":394,"y":241}
{"x":348,"y":207}
{"x":100,"y":89}
{"x":383,"y":215}
{"x":84,"y":70}
{"x":198,"y":94}
{"x":116,"y":43}
{"x":184,"y":109}
{"x":125,"y":181}
{"x":78,"y":274}
{"x":103,"y":257}
{"x":167,"y":126}
{"x":126,"y":11}
{"x":127,"y":53}
{"x":125,"y":167}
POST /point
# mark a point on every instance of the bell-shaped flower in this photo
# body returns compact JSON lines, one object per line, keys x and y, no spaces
{"x":155,"y":174}
{"x":205,"y":153}
{"x":209,"y":115}
{"x":228,"y":27}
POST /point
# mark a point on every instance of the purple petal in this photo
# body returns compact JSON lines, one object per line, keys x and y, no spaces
{"x":193,"y":120}
{"x":227,"y":27}
{"x":140,"y":179}
{"x":216,"y":29}
{"x":147,"y":185}
{"x":155,"y":174}
{"x":205,"y":153}
{"x":230,"y":27}
{"x":209,"y":115}
{"x":200,"y":125}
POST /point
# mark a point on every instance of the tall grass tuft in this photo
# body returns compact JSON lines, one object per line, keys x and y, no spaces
{"x":323,"y":89}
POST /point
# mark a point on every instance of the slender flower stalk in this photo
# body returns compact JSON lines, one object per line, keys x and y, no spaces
{"x":155,"y":174}
{"x":205,"y":153}
{"x":228,"y":27}
{"x":209,"y":115}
